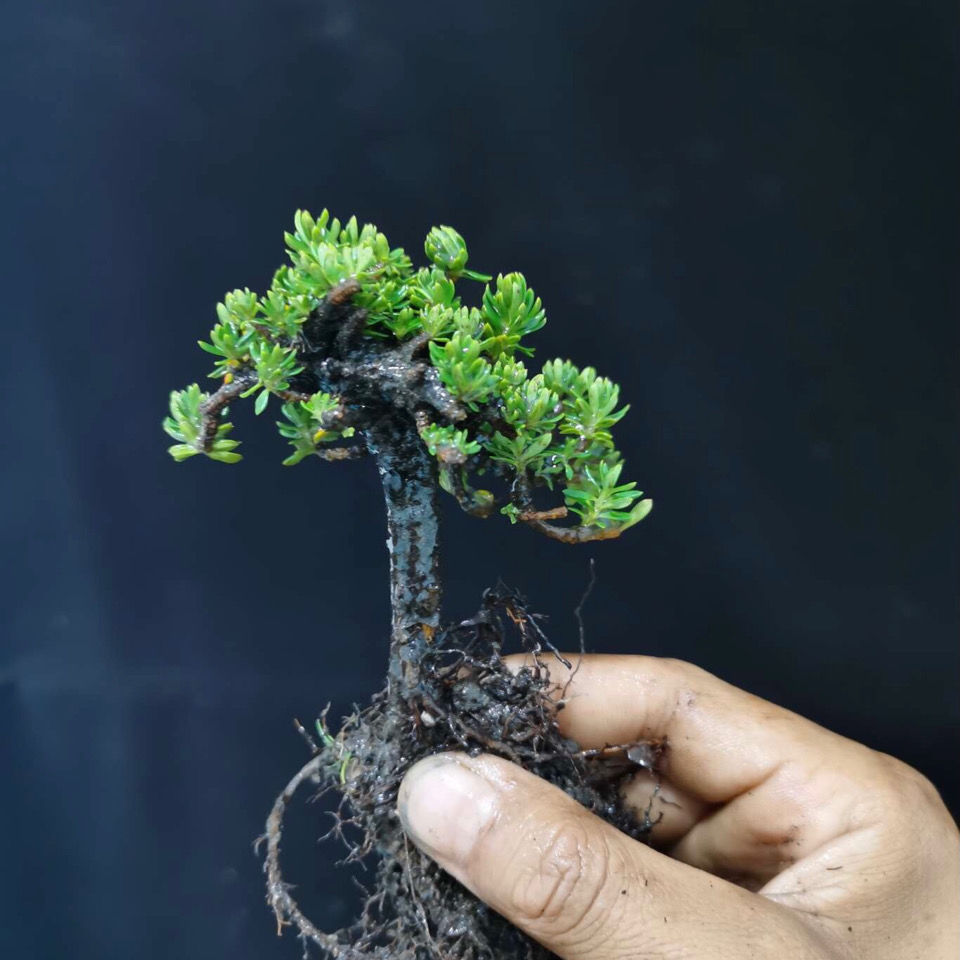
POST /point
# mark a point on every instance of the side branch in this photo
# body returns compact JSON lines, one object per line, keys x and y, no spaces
{"x":470,"y":501}
{"x":212,"y":409}
{"x":539,"y":520}
{"x":569,"y":534}
{"x":389,"y":375}
{"x":437,"y":395}
{"x":340,"y":419}
{"x":291,"y":396}
{"x":341,"y":453}
{"x":322,"y":326}
{"x":342,"y":292}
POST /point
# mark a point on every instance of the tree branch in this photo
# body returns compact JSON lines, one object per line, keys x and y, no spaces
{"x":212,"y":409}
{"x":437,"y":395}
{"x":538,"y":520}
{"x":416,"y":343}
{"x":342,"y":292}
{"x":570,"y":534}
{"x":351,"y":327}
{"x":341,"y":453}
{"x":467,"y":498}
{"x":291,"y":396}
{"x":316,"y":332}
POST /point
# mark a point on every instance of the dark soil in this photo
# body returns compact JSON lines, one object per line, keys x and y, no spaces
{"x":467,"y":700}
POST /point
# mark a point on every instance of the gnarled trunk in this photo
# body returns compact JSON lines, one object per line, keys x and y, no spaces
{"x":408,"y":474}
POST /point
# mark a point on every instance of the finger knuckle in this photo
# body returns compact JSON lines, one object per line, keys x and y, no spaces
{"x":906,"y":793}
{"x":562,"y":889}
{"x":682,"y":668}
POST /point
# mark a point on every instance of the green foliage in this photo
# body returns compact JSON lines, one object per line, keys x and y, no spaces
{"x":560,"y":422}
{"x":438,"y":321}
{"x":509,"y":373}
{"x":324,"y":254}
{"x":560,"y":376}
{"x":184,"y":425}
{"x":509,"y":314}
{"x":307,"y":426}
{"x":531,"y":406}
{"x":525,"y":451}
{"x":280,"y":317}
{"x":590,"y":412}
{"x":432,"y":288}
{"x":274,"y":366}
{"x":448,"y":443}
{"x":462,"y":368}
{"x":599,"y":501}
{"x":227,"y":341}
{"x":446,"y":248}
{"x":239,"y":308}
{"x":532,"y":411}
{"x":552,"y":428}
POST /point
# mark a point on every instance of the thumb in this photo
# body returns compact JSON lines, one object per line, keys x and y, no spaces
{"x":573,"y":882}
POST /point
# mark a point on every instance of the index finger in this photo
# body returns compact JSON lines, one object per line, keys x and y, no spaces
{"x":722,"y":741}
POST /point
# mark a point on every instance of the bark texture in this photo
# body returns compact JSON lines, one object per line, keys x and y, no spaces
{"x":408,"y":475}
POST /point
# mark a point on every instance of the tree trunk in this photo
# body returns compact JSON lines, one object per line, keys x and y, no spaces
{"x":408,"y":474}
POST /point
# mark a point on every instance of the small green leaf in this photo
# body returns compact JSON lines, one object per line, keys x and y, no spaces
{"x":225,"y":457}
{"x":180,"y":451}
{"x":639,"y":512}
{"x":473,"y":275}
{"x":511,"y":512}
{"x":448,"y":443}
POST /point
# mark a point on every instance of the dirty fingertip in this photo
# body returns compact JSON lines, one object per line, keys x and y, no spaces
{"x":445,"y":806}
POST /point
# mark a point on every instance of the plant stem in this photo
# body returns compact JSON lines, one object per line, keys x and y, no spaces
{"x":408,"y":474}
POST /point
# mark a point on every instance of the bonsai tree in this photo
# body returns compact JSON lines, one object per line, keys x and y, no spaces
{"x":367,"y":355}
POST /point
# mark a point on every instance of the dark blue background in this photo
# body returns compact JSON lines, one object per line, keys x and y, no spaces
{"x":744,"y":212}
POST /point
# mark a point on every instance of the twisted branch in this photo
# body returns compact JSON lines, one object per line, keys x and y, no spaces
{"x":212,"y":409}
{"x":539,"y":520}
{"x":570,"y":534}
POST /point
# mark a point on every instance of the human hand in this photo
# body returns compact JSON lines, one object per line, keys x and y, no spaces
{"x":779,"y":839}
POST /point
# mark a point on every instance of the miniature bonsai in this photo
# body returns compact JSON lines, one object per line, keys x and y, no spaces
{"x":368,"y":355}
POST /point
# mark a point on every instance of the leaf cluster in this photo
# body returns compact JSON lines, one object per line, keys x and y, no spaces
{"x":185,"y":425}
{"x":556,"y":431}
{"x":552,"y":428}
{"x":307,"y":426}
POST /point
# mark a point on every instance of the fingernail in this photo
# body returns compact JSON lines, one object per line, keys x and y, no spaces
{"x":445,"y":807}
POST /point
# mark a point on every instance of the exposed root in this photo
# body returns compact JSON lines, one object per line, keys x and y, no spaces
{"x":285,"y":908}
{"x":465,"y":699}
